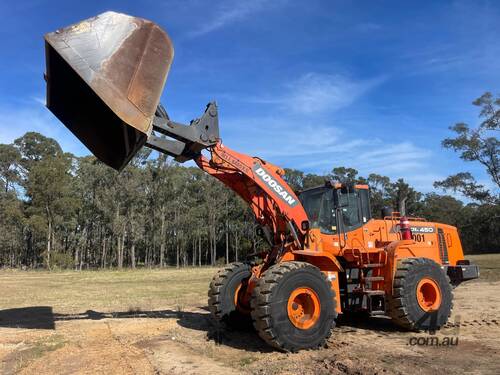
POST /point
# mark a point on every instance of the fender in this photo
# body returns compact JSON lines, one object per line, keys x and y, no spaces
{"x":396,"y":251}
{"x":321,"y":259}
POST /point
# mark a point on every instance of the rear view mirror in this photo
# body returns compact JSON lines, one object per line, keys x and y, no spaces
{"x":305,"y":225}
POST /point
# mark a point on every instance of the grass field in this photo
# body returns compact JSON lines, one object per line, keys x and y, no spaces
{"x":108,"y":291}
{"x":489,"y":266}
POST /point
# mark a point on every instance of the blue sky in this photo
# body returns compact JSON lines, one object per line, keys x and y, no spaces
{"x":311,"y":85}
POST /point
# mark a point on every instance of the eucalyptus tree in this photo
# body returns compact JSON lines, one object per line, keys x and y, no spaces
{"x":9,"y":167}
{"x":480,"y":145}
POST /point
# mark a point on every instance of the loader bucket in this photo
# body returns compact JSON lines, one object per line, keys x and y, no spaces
{"x":104,"y":79}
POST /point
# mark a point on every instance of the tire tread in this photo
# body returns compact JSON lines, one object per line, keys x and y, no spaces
{"x":397,"y":304}
{"x":261,"y":301}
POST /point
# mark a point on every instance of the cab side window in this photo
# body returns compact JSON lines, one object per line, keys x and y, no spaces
{"x":349,"y":203}
{"x":327,"y":222}
{"x":365,"y":205}
{"x":320,"y":209}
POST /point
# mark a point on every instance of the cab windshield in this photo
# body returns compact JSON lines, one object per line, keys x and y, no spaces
{"x":320,"y":210}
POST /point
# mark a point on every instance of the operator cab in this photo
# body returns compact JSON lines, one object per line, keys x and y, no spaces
{"x":337,"y":207}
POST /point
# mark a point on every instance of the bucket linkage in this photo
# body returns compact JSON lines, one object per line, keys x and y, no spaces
{"x":188,"y":140}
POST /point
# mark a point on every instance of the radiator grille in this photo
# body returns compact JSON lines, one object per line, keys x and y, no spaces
{"x":443,"y":248}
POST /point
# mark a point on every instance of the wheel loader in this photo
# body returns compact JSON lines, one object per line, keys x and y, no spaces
{"x":327,"y":254}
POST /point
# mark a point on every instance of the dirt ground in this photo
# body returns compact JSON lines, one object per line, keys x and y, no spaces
{"x":156,"y":322}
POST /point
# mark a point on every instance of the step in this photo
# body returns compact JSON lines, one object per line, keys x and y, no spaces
{"x":374,"y":278}
{"x":377,"y":313}
{"x":373,"y":265}
{"x":374,"y":292}
{"x":369,"y":292}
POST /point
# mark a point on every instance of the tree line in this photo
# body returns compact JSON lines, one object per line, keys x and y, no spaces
{"x":59,"y":210}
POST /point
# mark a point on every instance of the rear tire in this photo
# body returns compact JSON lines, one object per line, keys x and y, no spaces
{"x":422,"y":295}
{"x":223,"y":301}
{"x":293,"y":306}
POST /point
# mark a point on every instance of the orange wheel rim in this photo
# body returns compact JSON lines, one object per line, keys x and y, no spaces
{"x":303,"y":308}
{"x":238,"y":295}
{"x":428,"y":294}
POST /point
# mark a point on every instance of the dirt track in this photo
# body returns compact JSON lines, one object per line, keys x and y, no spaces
{"x":36,"y":340}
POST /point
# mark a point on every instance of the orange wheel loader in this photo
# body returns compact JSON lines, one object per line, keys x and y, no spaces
{"x":327,"y":255}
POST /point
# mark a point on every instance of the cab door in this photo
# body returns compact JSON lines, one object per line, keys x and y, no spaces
{"x":353,"y":212}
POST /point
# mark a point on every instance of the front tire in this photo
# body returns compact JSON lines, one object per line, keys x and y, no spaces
{"x":422,"y":295}
{"x":293,"y":306}
{"x":225,"y":292}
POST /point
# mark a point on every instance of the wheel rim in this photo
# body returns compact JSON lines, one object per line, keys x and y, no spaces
{"x":428,"y":294}
{"x":303,"y":308}
{"x":238,"y":299}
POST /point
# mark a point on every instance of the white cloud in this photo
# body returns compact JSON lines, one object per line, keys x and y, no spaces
{"x":229,"y":12}
{"x":319,"y":147}
{"x":393,"y":158}
{"x":39,"y":100}
{"x":402,"y":160}
{"x":314,"y":93}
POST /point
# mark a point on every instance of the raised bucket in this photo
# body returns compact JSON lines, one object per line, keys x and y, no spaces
{"x":105,"y":76}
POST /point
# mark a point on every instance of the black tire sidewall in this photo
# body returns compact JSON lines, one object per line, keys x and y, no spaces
{"x":227,"y":290}
{"x":287,"y":333}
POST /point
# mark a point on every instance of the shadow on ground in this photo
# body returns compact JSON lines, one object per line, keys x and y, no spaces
{"x":43,"y":317}
{"x":381,"y":325}
{"x":35,"y":317}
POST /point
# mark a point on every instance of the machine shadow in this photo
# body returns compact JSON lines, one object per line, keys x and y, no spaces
{"x":43,"y":317}
{"x":382,"y":325}
{"x":35,"y":317}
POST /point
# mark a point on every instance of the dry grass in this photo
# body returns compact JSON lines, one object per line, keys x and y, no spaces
{"x":105,"y":291}
{"x":37,"y":350}
{"x":489,"y":266}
